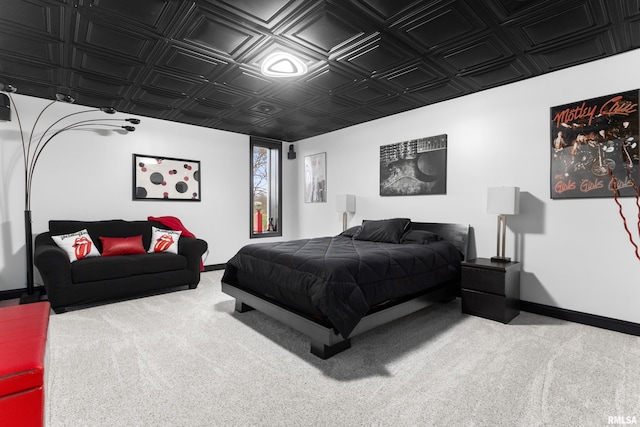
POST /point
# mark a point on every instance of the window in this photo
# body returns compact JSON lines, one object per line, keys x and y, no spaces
{"x":266,"y":188}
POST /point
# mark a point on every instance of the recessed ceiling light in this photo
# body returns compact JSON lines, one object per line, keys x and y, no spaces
{"x":282,"y":64}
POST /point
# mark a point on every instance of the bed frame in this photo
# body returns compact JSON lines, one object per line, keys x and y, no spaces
{"x":325,"y":341}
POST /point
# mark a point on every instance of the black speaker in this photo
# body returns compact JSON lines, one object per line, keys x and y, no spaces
{"x":5,"y":108}
{"x":291,"y":154}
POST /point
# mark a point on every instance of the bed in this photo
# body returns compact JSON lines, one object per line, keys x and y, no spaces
{"x":334,"y":288}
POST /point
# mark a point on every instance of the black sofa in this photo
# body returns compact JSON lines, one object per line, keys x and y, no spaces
{"x":107,"y":278}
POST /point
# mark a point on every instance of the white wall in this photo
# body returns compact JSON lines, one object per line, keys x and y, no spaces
{"x":87,"y":175}
{"x":575,"y":253}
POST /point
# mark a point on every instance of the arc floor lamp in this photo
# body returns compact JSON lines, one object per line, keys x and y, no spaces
{"x":32,"y":148}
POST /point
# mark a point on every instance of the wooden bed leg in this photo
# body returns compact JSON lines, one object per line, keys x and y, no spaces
{"x":324,"y":351}
{"x":242,"y":307}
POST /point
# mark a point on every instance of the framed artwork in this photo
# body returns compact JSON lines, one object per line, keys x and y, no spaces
{"x":593,"y":141}
{"x":165,"y":178}
{"x":414,"y":167}
{"x":315,"y":178}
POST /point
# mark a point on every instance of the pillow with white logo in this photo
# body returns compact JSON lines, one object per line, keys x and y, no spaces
{"x":164,"y":240}
{"x":77,"y":245}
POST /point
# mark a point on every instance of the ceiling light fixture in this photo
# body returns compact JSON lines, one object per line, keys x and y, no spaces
{"x":282,"y":64}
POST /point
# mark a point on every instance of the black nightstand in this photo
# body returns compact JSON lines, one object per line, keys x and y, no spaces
{"x":491,"y":289}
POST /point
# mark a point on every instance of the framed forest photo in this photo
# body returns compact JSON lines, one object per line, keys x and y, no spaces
{"x":315,"y":178}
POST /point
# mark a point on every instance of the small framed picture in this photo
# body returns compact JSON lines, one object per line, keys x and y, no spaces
{"x":165,"y":178}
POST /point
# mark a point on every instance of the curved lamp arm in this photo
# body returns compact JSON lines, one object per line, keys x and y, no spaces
{"x":43,"y":143}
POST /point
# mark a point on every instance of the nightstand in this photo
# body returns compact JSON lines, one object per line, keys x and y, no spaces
{"x":491,"y":289}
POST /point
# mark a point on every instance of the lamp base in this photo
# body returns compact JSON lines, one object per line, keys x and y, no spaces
{"x":27,"y":298}
{"x":500,"y":259}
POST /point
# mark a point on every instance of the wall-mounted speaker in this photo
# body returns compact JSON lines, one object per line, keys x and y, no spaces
{"x":5,"y":108}
{"x":291,"y":154}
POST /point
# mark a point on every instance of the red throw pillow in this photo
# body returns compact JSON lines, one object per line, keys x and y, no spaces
{"x":122,"y":245}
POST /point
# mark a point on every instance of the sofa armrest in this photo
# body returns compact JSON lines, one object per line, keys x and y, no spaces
{"x":192,"y":249}
{"x":54,"y":267}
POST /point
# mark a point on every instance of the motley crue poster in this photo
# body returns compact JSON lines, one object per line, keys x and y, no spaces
{"x":591,"y":141}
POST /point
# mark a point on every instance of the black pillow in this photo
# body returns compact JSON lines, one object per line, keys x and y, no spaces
{"x":350,"y":232}
{"x":420,"y":236}
{"x":386,"y":230}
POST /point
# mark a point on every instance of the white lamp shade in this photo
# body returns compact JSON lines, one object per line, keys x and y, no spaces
{"x":346,"y":203}
{"x":503,"y":200}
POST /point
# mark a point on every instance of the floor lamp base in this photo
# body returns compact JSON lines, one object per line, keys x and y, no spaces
{"x":27,"y":298}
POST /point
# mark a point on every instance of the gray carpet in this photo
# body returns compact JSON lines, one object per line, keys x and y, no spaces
{"x":186,"y":359}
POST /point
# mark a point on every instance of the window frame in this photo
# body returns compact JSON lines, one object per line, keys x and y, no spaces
{"x":275,"y":150}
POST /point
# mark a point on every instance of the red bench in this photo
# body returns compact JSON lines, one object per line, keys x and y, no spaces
{"x":23,"y":338}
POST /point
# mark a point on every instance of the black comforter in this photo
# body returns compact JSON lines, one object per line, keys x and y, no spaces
{"x":339,"y":278}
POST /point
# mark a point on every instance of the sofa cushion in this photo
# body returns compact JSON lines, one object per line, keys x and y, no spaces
{"x":77,"y":245}
{"x":115,"y":267}
{"x":112,"y":246}
{"x":164,"y":240}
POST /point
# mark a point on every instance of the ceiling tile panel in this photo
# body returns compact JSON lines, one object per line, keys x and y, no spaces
{"x":499,"y":75}
{"x":152,"y":96}
{"x":325,"y":29}
{"x":266,"y":13}
{"x":190,"y":63}
{"x":562,"y":24}
{"x":578,"y":52}
{"x":16,"y":44}
{"x":149,"y":109}
{"x":393,"y":105}
{"x":99,"y":84}
{"x":506,"y":9}
{"x":631,"y":8}
{"x":110,"y":66}
{"x":225,"y":96}
{"x":634,"y":33}
{"x":443,"y":25}
{"x":441,"y":92}
{"x":329,"y":79}
{"x":173,"y":82}
{"x":246,"y":81}
{"x":152,"y":14}
{"x":205,"y":108}
{"x":219,"y":34}
{"x":330,"y":105}
{"x":96,"y":99}
{"x":479,"y":53}
{"x":366,"y":93}
{"x":94,"y":34}
{"x":43,"y":18}
{"x":414,"y":76}
{"x":293,"y":95}
{"x":388,"y":9}
{"x":376,"y":55}
{"x":30,"y":70}
{"x":192,"y":118}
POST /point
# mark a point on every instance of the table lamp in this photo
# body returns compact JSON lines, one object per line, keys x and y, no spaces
{"x":345,"y":203}
{"x":502,"y":201}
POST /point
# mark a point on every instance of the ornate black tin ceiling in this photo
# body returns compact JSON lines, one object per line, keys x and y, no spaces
{"x":198,"y":62}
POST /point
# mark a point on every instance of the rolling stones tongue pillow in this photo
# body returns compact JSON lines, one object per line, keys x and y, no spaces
{"x":164,"y":240}
{"x":77,"y":245}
